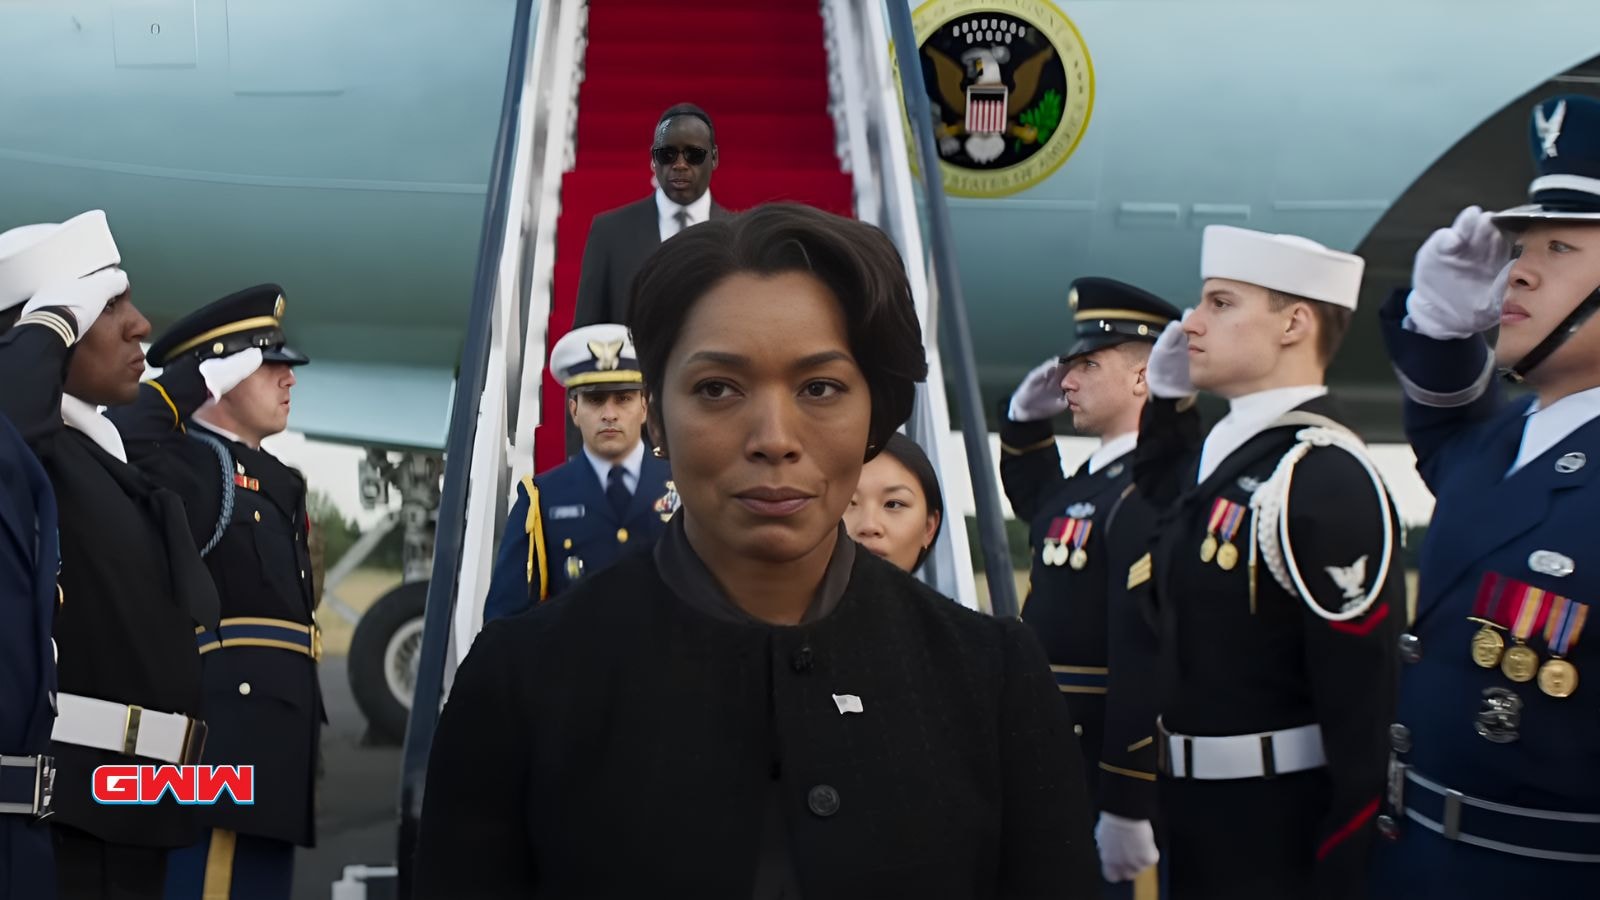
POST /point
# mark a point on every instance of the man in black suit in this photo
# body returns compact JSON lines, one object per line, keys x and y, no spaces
{"x":682,"y":156}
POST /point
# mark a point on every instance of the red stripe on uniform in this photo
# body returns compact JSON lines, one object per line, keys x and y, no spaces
{"x":1349,"y":830}
{"x":1365,"y":626}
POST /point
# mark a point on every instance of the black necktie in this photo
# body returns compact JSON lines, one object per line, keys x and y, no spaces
{"x":682,"y":216}
{"x":617,"y":491}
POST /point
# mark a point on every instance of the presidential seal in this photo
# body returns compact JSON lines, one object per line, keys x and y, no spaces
{"x":1011,"y":89}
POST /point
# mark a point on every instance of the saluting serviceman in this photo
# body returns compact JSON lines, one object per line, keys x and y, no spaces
{"x":1101,"y":381}
{"x":197,"y":429}
{"x":1493,"y":789}
{"x":612,"y":498}
{"x":132,"y":585}
{"x":1277,"y":570}
{"x":28,"y":561}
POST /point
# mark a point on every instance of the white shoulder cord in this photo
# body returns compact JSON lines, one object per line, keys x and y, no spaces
{"x":1270,"y":504}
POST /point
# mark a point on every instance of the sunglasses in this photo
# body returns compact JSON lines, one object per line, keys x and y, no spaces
{"x":666,"y":156}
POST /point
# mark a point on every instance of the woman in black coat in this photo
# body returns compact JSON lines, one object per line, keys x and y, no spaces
{"x":757,"y":708}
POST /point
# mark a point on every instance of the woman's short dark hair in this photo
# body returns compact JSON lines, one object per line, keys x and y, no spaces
{"x":856,"y":261}
{"x":909,"y":453}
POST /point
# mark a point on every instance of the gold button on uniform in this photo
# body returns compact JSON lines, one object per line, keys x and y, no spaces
{"x":622,"y":535}
{"x":566,"y":544}
{"x":244,"y":688}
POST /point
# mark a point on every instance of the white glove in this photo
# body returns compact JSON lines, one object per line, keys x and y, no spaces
{"x":1168,"y":370}
{"x":1457,"y":279}
{"x":224,"y":373}
{"x":1040,"y":395}
{"x":1127,"y":847}
{"x":86,"y":297}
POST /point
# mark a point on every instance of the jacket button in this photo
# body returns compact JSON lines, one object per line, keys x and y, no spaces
{"x":823,"y":800}
{"x":1410,"y":648}
{"x":1077,"y":730}
{"x":244,"y":688}
{"x":258,"y":515}
{"x":1400,"y":738}
{"x":801,"y":661}
{"x":1388,"y":827}
{"x":622,"y":535}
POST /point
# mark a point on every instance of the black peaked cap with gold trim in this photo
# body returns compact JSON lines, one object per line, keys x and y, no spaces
{"x":1107,"y":312}
{"x":249,"y":318}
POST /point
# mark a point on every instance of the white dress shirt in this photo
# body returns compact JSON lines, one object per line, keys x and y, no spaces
{"x":1112,"y":449}
{"x":1547,"y":427}
{"x":630,"y":466}
{"x":667,"y":212}
{"x":85,"y":418}
{"x":1247,"y":417}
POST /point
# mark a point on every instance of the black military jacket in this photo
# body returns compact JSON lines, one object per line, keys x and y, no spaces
{"x":1242,"y":655}
{"x":247,"y":511}
{"x":133,"y":589}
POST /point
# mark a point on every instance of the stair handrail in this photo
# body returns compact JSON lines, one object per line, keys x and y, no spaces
{"x":473,"y":500}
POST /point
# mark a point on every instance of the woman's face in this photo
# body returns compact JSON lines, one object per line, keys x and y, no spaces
{"x":889,"y":514}
{"x":766,"y":418}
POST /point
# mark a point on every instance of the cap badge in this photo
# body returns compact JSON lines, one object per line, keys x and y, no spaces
{"x":277,"y":308}
{"x":607,"y":354}
{"x":1072,"y":299}
{"x":1549,"y":128}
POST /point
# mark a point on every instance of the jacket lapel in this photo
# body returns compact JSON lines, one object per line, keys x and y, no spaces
{"x":1495,"y":510}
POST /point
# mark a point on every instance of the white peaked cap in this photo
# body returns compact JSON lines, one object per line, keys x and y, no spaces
{"x":34,"y":257}
{"x":1281,"y":262}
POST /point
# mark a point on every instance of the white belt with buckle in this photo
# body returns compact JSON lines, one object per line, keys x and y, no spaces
{"x":129,"y":730}
{"x":1244,"y":755}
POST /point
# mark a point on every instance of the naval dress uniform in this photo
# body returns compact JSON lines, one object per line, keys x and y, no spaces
{"x":29,"y":557}
{"x":132,"y":588}
{"x":1070,"y":577}
{"x":1277,"y":573}
{"x":587,"y":513}
{"x":1493,"y":789}
{"x":247,"y":516}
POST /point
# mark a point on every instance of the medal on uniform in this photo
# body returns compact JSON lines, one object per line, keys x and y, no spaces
{"x":1054,"y":552}
{"x":1228,"y":554}
{"x":1528,"y":608}
{"x":667,"y":503}
{"x":1487,"y":644}
{"x":1079,"y":537}
{"x":1208,"y":547}
{"x":1559,"y":678}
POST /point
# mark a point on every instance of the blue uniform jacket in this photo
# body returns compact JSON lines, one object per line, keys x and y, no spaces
{"x":1463,"y":725}
{"x":581,"y":534}
{"x":29,"y":557}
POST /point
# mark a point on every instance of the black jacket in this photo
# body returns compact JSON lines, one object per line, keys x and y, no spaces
{"x":619,"y":242}
{"x":616,"y":742}
{"x":133,"y":589}
{"x":263,"y":703}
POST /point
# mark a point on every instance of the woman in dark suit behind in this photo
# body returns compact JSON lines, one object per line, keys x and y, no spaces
{"x":756,"y":709}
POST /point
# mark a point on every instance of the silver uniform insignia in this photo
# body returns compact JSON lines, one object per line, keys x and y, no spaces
{"x":1249,"y":485}
{"x":1115,"y":470}
{"x":1549,"y":562}
{"x":566,"y":512}
{"x":1080,"y":510}
{"x":1549,"y":129}
{"x":1351,"y":579}
{"x":1571,"y":462}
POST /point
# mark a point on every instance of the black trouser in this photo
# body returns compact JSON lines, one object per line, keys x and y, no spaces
{"x":1243,"y":840}
{"x":92,"y":869}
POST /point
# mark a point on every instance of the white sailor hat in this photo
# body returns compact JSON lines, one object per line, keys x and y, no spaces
{"x":1565,"y":140}
{"x":596,"y":358}
{"x":1281,"y":262}
{"x":33,"y":257}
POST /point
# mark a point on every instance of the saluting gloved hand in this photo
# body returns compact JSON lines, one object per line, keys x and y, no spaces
{"x":1168,"y":370}
{"x":85,"y":297}
{"x":1458,"y":279}
{"x":224,"y":373}
{"x":1040,"y":395}
{"x":1127,"y":847}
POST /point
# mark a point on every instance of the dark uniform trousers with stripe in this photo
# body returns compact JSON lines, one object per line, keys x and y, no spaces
{"x":1242,"y":656}
{"x":1077,"y":601}
{"x":1494,"y":789}
{"x":132,"y":590}
{"x":562,"y":529}
{"x":247,"y":512}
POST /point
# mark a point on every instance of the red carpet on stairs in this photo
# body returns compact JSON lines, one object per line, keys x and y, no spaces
{"x":759,"y":70}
